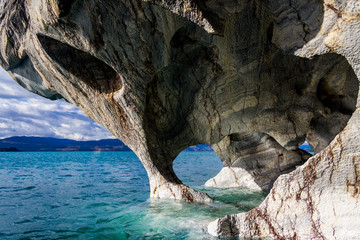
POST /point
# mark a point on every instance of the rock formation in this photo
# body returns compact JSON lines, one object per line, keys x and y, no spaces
{"x":253,"y":161}
{"x":319,"y":200}
{"x":163,"y":75}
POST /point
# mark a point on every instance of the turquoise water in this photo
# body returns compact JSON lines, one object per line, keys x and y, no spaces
{"x":105,"y":195}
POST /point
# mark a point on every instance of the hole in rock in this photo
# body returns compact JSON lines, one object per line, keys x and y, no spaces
{"x":85,"y":68}
{"x":306,"y":147}
{"x":196,"y":164}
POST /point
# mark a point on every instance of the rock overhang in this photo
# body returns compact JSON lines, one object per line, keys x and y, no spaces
{"x":164,"y":75}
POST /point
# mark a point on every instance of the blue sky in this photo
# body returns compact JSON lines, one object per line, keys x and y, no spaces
{"x":23,"y":113}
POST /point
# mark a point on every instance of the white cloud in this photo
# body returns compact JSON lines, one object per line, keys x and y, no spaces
{"x":26,"y":114}
{"x":10,"y":89}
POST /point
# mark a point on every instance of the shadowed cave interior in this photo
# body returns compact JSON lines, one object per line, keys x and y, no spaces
{"x":259,"y":154}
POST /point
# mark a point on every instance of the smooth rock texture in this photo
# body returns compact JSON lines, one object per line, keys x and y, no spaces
{"x":253,"y":161}
{"x":163,"y":75}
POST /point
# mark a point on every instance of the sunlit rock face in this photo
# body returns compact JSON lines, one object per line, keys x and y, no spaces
{"x":163,"y":75}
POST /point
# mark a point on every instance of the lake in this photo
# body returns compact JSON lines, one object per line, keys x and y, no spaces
{"x":105,"y":195}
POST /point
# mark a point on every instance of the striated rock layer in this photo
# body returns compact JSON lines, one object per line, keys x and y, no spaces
{"x":163,"y":75}
{"x":253,"y":161}
{"x":319,"y":200}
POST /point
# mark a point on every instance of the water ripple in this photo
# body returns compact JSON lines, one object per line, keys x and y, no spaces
{"x":24,"y":189}
{"x":95,"y":196}
{"x":23,"y":221}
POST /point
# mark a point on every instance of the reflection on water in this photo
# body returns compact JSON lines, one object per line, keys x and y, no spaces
{"x":93,"y":195}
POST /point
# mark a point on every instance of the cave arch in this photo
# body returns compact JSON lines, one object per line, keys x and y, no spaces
{"x":207,"y":165}
{"x":327,"y":98}
{"x":272,"y":67}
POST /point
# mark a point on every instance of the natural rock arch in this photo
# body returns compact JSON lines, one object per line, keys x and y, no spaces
{"x":161,"y":82}
{"x":253,"y":161}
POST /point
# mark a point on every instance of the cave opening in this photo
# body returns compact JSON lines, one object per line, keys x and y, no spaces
{"x":306,"y":147}
{"x":196,"y":164}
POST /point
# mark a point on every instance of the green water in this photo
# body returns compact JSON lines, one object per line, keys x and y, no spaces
{"x":105,"y":195}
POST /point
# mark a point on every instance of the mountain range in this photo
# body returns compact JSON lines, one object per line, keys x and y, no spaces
{"x":30,"y":144}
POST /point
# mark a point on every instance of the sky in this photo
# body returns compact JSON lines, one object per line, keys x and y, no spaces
{"x":23,"y":113}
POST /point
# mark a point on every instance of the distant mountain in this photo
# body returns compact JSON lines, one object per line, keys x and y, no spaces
{"x":32,"y":144}
{"x":56,"y":144}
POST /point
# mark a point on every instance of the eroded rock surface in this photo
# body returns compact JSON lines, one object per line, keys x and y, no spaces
{"x":319,"y":200}
{"x":163,"y":75}
{"x":253,"y":161}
